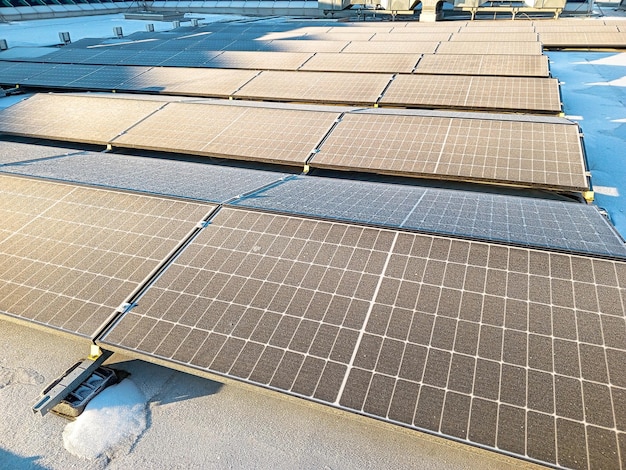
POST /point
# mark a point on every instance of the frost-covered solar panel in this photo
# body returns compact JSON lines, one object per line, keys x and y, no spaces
{"x":505,"y":93}
{"x":71,"y":255}
{"x":522,"y":152}
{"x":495,"y":47}
{"x":392,"y":47}
{"x":556,"y":225}
{"x":260,"y":60}
{"x":496,"y":65}
{"x":74,"y":118}
{"x":326,"y":87}
{"x":244,"y":133}
{"x":352,"y":62}
{"x":184,"y":179}
{"x":189,"y":81}
{"x":514,"y":349}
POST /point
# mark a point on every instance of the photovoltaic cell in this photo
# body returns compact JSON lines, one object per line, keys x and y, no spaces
{"x":412,"y":36}
{"x":71,"y":255}
{"x":259,"y":60}
{"x":450,"y":336}
{"x":108,"y":77}
{"x":583,"y":40}
{"x":310,"y":45}
{"x":347,"y":62}
{"x":531,"y":222}
{"x":74,"y":118}
{"x":496,"y":65}
{"x":469,"y":36}
{"x":327,"y":87}
{"x":528,"y":153}
{"x":489,"y":48}
{"x":16,"y":73}
{"x":184,"y":179}
{"x":507,"y":93}
{"x":14,"y":152}
{"x":244,"y":133}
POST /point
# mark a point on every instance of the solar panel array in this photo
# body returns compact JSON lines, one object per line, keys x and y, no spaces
{"x":451,"y":91}
{"x":525,"y":152}
{"x":70,"y":256}
{"x":448,"y":336}
{"x":493,"y":319}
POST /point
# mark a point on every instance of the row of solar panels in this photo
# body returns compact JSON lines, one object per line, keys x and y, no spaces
{"x":537,"y":95}
{"x":516,"y":349}
{"x":526,"y":151}
{"x":317,"y":60}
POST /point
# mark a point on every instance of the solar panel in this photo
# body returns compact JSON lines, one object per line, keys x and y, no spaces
{"x":344,"y":35}
{"x":347,"y":62}
{"x":581,"y":28}
{"x":16,"y":73}
{"x":392,"y":47}
{"x":61,"y":75}
{"x":327,"y":87}
{"x":14,"y":152}
{"x":583,"y":39}
{"x":497,"y":27}
{"x":412,"y":36}
{"x":148,"y":58}
{"x":74,"y":118}
{"x":544,"y":154}
{"x":259,"y":60}
{"x":244,"y":133}
{"x":184,"y":179}
{"x":489,"y":48}
{"x":531,"y":222}
{"x":507,"y":93}
{"x":108,"y":77}
{"x":496,"y":65}
{"x":468,"y":36}
{"x":436,"y":334}
{"x":71,"y":255}
{"x":190,"y":81}
{"x":309,"y":45}
{"x":452,"y":26}
{"x":369,"y":28}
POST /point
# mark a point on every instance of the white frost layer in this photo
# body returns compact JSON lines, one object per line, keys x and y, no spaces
{"x":113,"y":420}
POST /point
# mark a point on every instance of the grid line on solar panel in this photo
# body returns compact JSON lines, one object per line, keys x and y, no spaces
{"x":510,"y":93}
{"x":583,"y":39}
{"x":74,"y":118}
{"x":328,"y":87}
{"x":70,"y":255}
{"x":347,"y":62}
{"x":556,"y":225}
{"x":498,"y":48}
{"x":448,"y":336}
{"x":259,"y":60}
{"x":528,"y":153}
{"x":392,"y":47}
{"x":247,"y":133}
{"x":496,"y":65}
{"x":190,"y":81}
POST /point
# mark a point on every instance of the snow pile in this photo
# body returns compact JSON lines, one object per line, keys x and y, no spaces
{"x":112,"y":422}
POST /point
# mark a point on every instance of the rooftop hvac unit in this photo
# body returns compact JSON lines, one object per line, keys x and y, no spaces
{"x":176,"y":24}
{"x":3,"y":45}
{"x":118,"y":32}
{"x":65,"y":37}
{"x":150,"y":28}
{"x":194,"y":22}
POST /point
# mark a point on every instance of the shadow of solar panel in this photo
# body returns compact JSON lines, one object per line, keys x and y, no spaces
{"x":190,"y":81}
{"x":556,"y":225}
{"x":527,"y":153}
{"x":444,"y":335}
{"x":74,"y":118}
{"x":259,"y":60}
{"x":488,"y":48}
{"x":71,"y":255}
{"x":16,"y":73}
{"x":468,"y":36}
{"x":583,"y":39}
{"x":496,"y":65}
{"x":322,"y":87}
{"x":244,"y":133}
{"x":190,"y":180}
{"x":347,"y":62}
{"x":539,"y":95}
{"x":392,"y":47}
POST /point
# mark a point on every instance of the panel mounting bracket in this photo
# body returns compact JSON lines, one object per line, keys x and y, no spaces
{"x":54,"y":393}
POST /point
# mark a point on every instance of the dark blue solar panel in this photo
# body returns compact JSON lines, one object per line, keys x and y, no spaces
{"x":559,"y":225}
